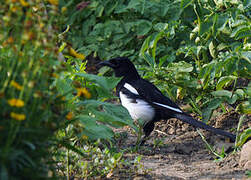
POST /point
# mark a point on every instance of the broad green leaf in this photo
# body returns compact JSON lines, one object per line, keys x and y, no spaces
{"x":244,"y":136}
{"x":93,"y":103}
{"x":163,"y":59}
{"x":155,"y":41}
{"x":112,"y":114}
{"x":222,"y":93}
{"x":240,"y":93}
{"x":246,"y":55}
{"x":143,"y":27}
{"x":241,"y":32}
{"x":149,"y":60}
{"x":205,"y":74}
{"x":133,"y":4}
{"x":110,"y":6}
{"x":180,"y":67}
{"x":233,"y":99}
{"x":110,"y":119}
{"x":206,"y":25}
{"x":106,"y":82}
{"x":160,"y":26}
{"x":230,"y":64}
{"x":245,"y":107}
{"x":225,"y":81}
{"x":222,"y":46}
{"x":212,"y":49}
{"x":212,"y":105}
{"x":94,"y":130}
{"x":100,"y":10}
{"x":222,"y":21}
{"x":206,"y":114}
{"x":145,"y":46}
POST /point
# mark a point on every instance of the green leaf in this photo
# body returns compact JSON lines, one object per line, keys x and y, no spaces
{"x":100,"y":10}
{"x":206,"y":25}
{"x":222,"y":46}
{"x":241,"y":32}
{"x":112,"y":114}
{"x":94,"y":130}
{"x":222,"y":21}
{"x":206,"y":115}
{"x":110,"y":119}
{"x":212,"y":49}
{"x":133,"y":4}
{"x":245,"y":107}
{"x":149,"y":60}
{"x":233,"y":99}
{"x":225,"y":81}
{"x":155,"y":41}
{"x":71,"y":147}
{"x":160,"y":26}
{"x":246,"y":55}
{"x":181,"y":66}
{"x":143,"y":27}
{"x":222,"y":93}
{"x":240,"y":93}
{"x":185,"y":3}
{"x":211,"y":105}
{"x":214,"y":103}
{"x":145,"y":46}
{"x":243,"y":137}
{"x":107,"y":83}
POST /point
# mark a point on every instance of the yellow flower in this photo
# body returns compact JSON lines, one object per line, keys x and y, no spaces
{"x":63,"y":98}
{"x":84,"y":137}
{"x":16,"y":85}
{"x":69,"y":116}
{"x":83,"y":92}
{"x":54,"y":75}
{"x":75,"y":54}
{"x":16,"y":102}
{"x":53,"y":2}
{"x":17,"y":116}
{"x":24,"y":3}
{"x":14,"y":9}
{"x":63,"y":9}
{"x":10,"y":40}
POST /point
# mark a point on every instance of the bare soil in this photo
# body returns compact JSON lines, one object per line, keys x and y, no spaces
{"x":176,"y":151}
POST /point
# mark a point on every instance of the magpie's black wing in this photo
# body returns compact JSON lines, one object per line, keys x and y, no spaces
{"x":167,"y":108}
{"x":152,"y":94}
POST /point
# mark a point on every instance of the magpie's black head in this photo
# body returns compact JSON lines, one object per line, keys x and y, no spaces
{"x":122,"y":67}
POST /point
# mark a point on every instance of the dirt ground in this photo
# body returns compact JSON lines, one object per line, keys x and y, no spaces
{"x":182,"y":154}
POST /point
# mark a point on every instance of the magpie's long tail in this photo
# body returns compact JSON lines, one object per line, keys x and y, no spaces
{"x":188,"y":119}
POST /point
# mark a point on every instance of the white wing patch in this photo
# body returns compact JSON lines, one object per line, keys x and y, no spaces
{"x":169,"y":107}
{"x":139,"y":109}
{"x":130,"y":88}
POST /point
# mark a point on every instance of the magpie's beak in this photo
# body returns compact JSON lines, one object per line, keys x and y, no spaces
{"x":106,"y":63}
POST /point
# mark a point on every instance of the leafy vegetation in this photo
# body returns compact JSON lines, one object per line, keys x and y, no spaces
{"x":31,"y":110}
{"x":56,"y":120}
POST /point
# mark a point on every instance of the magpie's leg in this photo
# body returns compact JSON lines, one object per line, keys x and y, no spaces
{"x":148,"y":128}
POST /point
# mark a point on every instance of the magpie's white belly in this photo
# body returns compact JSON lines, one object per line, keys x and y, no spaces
{"x":138,"y":109}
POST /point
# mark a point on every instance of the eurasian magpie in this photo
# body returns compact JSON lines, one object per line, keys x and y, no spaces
{"x":145,"y":101}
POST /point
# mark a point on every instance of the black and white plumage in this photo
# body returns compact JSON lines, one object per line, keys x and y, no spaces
{"x":144,"y":101}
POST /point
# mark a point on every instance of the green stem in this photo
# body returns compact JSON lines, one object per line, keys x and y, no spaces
{"x":208,"y":145}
